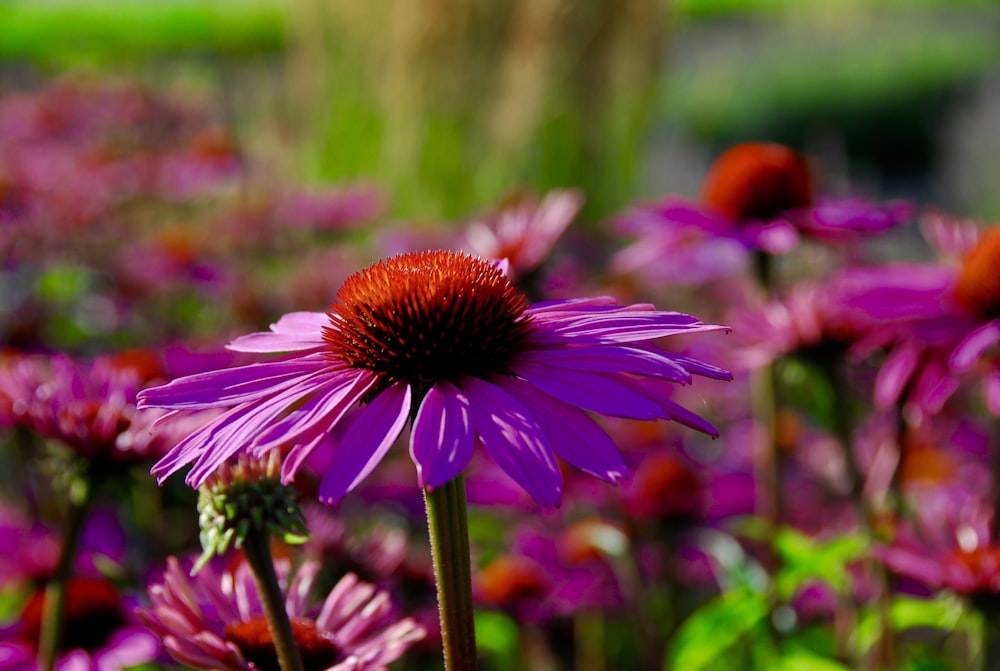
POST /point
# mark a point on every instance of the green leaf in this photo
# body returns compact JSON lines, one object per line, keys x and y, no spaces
{"x":943,"y":612}
{"x":804,"y":559}
{"x":711,"y":633}
{"x":802,"y":660}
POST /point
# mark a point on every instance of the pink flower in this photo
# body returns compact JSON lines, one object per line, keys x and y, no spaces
{"x":215,"y":621}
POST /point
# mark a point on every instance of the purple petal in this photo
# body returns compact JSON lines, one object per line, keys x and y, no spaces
{"x":366,"y":442}
{"x":896,"y":371}
{"x":337,"y":395}
{"x":573,"y":434}
{"x":619,"y":327}
{"x":774,"y":237}
{"x":682,"y":212}
{"x":230,"y":386}
{"x":514,"y":440}
{"x":975,"y":345}
{"x":699,"y":367}
{"x":293,"y":332}
{"x":128,"y":647}
{"x":934,"y":385}
{"x":194,"y":445}
{"x":659,"y":391}
{"x":443,"y":435}
{"x":572,"y":305}
{"x":596,"y":393}
{"x":610,"y":360}
{"x":897,"y":291}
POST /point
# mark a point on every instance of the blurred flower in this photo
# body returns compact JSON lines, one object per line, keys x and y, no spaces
{"x":547,"y":575}
{"x":523,"y":230}
{"x":757,"y":196}
{"x":949,"y":546}
{"x":88,"y":407}
{"x":808,"y":320}
{"x":665,"y":487}
{"x":938,"y":321}
{"x":98,"y":633}
{"x":215,"y":621}
{"x":343,"y":208}
{"x":446,"y":339}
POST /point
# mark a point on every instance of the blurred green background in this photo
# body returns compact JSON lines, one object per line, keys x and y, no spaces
{"x":451,"y":103}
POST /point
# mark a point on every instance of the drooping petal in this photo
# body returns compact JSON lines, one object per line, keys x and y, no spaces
{"x":596,"y":393}
{"x":975,"y":345}
{"x":659,"y":391}
{"x":230,"y":386}
{"x":610,"y":359}
{"x":620,"y":328}
{"x":895,"y":372}
{"x":338,"y":394}
{"x":443,"y":435}
{"x":191,"y":447}
{"x":366,"y":442}
{"x":515,"y":440}
{"x":574,"y":436}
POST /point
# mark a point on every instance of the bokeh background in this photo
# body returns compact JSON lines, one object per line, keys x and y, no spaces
{"x":451,"y":102}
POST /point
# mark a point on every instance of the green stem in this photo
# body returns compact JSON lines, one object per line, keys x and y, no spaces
{"x":448,"y":526}
{"x":54,"y":612}
{"x":765,"y":462}
{"x":257,"y":548}
{"x":885,"y":647}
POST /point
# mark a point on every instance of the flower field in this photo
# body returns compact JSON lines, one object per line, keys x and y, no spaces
{"x":534,"y":335}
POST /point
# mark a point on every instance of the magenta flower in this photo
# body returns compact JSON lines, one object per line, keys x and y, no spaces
{"x":939,"y":322}
{"x":99,"y":632}
{"x":756,"y":196}
{"x":445,"y":339}
{"x":89,"y":407}
{"x":215,"y":621}
{"x":524,"y":230}
{"x":548,"y":575}
{"x":949,"y":546}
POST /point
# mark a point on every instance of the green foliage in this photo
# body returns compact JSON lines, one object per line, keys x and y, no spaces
{"x":884,"y":91}
{"x":726,"y":633}
{"x":67,"y":32}
{"x":804,"y":559}
{"x":498,"y":639}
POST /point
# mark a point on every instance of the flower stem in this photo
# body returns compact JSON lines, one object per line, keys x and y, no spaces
{"x":448,"y":526}
{"x":53,"y":614}
{"x":257,"y":548}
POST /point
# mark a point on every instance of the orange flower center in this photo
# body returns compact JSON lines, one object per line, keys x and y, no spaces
{"x":428,"y":316}
{"x":664,"y":486}
{"x":254,"y":640}
{"x":757,"y":180}
{"x":507,"y":579}
{"x":93,"y":612}
{"x":978,"y":286}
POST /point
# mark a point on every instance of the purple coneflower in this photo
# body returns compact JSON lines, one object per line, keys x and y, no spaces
{"x":215,"y":621}
{"x":87,"y":406}
{"x":939,"y":321}
{"x":444,"y":339}
{"x":756,"y":196}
